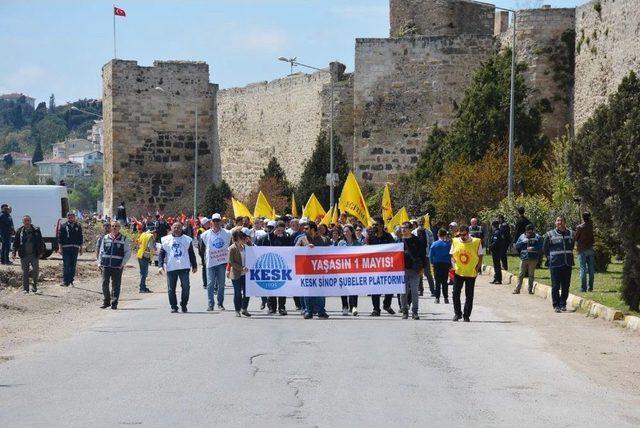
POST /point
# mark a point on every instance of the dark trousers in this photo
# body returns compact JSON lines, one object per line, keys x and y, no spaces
{"x":441,"y":271}
{"x":503,"y":258}
{"x":172,"y":284}
{"x":429,"y":275}
{"x":315,"y":305}
{"x":69,"y":262}
{"x":25,"y":262}
{"x":204,"y":271}
{"x":375,"y":300}
{"x":560,"y":282}
{"x":240,"y":299}
{"x":469,"y":285}
{"x":496,"y":255}
{"x":349,"y":302}
{"x":6,"y":247}
{"x":298,"y":302}
{"x":115,"y":276}
{"x":144,"y":272}
{"x":276,"y":303}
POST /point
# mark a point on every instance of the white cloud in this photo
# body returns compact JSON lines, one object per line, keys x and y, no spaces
{"x":266,"y":39}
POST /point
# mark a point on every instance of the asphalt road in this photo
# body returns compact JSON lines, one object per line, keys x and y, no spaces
{"x":141,"y":365}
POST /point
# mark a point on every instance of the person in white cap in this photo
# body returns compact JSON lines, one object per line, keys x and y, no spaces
{"x":277,"y":238}
{"x":204,"y":226}
{"x":258,"y":230}
{"x":216,"y":242}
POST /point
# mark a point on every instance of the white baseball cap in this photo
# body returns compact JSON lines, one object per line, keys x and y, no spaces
{"x":271,"y":223}
{"x":216,"y":216}
{"x":204,"y":221}
{"x":246,"y":231}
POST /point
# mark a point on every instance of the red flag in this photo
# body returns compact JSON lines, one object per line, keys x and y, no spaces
{"x":118,"y":12}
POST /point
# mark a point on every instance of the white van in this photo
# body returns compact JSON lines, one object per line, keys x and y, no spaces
{"x":47,"y":206}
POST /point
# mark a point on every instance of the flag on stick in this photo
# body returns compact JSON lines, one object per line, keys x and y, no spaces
{"x":400,"y":217}
{"x":118,"y":12}
{"x":240,"y":209}
{"x":294,"y":207}
{"x":352,"y":201}
{"x":334,"y":215}
{"x":387,"y":209}
{"x":313,"y":209}
{"x":263,"y":208}
{"x":426,"y":223}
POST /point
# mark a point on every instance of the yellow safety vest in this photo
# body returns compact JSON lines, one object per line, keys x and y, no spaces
{"x":143,"y":242}
{"x":466,"y":256}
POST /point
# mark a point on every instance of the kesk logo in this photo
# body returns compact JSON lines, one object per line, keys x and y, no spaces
{"x":270,"y":271}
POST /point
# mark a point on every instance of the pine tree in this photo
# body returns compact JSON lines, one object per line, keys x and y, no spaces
{"x":216,"y":199}
{"x":52,"y":103}
{"x":275,"y":171}
{"x":37,"y":154}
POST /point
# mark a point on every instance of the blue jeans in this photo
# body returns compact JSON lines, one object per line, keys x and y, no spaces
{"x":215,"y":283}
{"x":587,"y":261}
{"x":144,"y":271}
{"x":172,"y":283}
{"x":69,"y":261}
{"x":560,"y":283}
{"x":6,"y":247}
{"x":240,"y":299}
{"x":314,"y":305}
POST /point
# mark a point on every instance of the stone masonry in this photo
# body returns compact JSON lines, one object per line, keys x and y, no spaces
{"x":149,"y":135}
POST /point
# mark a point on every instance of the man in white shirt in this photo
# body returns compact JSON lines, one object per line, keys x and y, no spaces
{"x":258,"y":230}
{"x":176,"y":257}
{"x":216,"y":241}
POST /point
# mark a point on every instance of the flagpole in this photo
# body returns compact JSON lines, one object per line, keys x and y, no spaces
{"x":113,"y":11}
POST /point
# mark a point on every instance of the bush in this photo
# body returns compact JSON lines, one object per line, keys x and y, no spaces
{"x":537,"y":210}
{"x":602,"y":254}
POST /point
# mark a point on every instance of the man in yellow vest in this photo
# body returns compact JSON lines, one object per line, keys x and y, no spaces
{"x":466,"y":256}
{"x":146,"y":249}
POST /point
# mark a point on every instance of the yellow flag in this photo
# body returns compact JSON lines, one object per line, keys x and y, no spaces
{"x":397,"y":220}
{"x":263,"y":208}
{"x":313,"y":209}
{"x":387,"y":209}
{"x":426,"y":223}
{"x":240,"y":209}
{"x":352,"y":202}
{"x":294,"y":207}
{"x":326,"y":220}
{"x":334,"y":215}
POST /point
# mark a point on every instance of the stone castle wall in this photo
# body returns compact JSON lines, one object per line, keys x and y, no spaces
{"x":440,"y":18}
{"x":281,"y":118}
{"x":607,"y":49}
{"x":544,"y":41}
{"x":402,"y":88}
{"x":149,"y":135}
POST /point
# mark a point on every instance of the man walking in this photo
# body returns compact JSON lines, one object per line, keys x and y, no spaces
{"x":558,"y":247}
{"x":277,"y":238}
{"x":413,"y":264}
{"x":521,"y":224}
{"x":497,"y":247}
{"x":505,"y":230}
{"x":146,"y":250}
{"x":313,"y":305}
{"x":29,"y":245}
{"x":6,"y":231}
{"x":176,"y":257}
{"x":216,"y":241}
{"x":204,"y":226}
{"x":380,"y":236}
{"x":426,"y":239}
{"x":70,"y":240}
{"x":466,"y":256}
{"x":114,"y":255}
{"x":529,"y":244}
{"x":586,"y":256}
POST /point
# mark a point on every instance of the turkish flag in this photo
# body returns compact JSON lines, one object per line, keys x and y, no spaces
{"x":118,"y":12}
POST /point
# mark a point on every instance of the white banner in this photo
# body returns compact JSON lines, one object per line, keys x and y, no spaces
{"x":325,"y":271}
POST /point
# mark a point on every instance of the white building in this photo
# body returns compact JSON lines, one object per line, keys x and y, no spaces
{"x":87,"y":160}
{"x":67,"y":148}
{"x":18,"y":158}
{"x":57,"y":169}
{"x":95,"y":134}
{"x":15,"y":97}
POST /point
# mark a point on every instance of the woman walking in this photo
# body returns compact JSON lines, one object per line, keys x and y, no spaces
{"x":237,"y":261}
{"x":349,"y":303}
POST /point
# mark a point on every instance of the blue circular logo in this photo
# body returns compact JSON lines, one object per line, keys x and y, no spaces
{"x":270,"y":271}
{"x":218,"y":242}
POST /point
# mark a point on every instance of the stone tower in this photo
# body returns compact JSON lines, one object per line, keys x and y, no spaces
{"x":149,"y":135}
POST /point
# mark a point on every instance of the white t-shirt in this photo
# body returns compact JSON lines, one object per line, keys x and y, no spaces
{"x":257,"y":234}
{"x":217,"y":247}
{"x":177,"y":252}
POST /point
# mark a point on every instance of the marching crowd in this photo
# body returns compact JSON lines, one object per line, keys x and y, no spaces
{"x":443,"y":256}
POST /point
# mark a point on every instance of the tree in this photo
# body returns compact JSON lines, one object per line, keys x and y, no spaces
{"x":271,"y":188}
{"x":216,"y":199}
{"x":39,"y":113}
{"x":8,"y":160}
{"x":37,"y":154}
{"x":50,"y":130}
{"x":52,"y":103}
{"x":604,"y":162}
{"x":316,"y":168}
{"x":275,"y":171}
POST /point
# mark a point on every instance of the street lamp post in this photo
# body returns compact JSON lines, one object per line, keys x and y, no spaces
{"x":85,"y":111}
{"x":195,"y":166}
{"x":293,"y":63}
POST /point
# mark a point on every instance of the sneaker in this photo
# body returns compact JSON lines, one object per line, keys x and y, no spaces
{"x":323,"y":316}
{"x":557,"y":309}
{"x":105,"y":305}
{"x":209,"y":308}
{"x":405,"y":315}
{"x":308,"y":316}
{"x":174,"y":310}
{"x":457,"y":317}
{"x":221,"y":307}
{"x":437,"y":300}
{"x":25,"y":291}
{"x":345,"y":311}
{"x":283,"y":312}
{"x":184,"y":309}
{"x":114,"y":307}
{"x":446,"y":301}
{"x":415,"y":316}
{"x":516,"y":291}
{"x":354,"y":311}
{"x":466,"y":319}
{"x":34,"y":290}
{"x":390,"y":310}
{"x":238,"y":314}
{"x":375,"y":313}
{"x":246,"y":313}
{"x":271,"y":311}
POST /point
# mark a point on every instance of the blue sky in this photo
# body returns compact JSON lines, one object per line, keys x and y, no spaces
{"x":59,"y":46}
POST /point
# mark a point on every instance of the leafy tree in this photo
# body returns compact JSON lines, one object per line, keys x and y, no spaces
{"x":316,"y":168}
{"x":50,"y":130}
{"x":216,"y":199}
{"x":8,"y":160}
{"x":275,"y":171}
{"x":37,"y":154}
{"x":271,"y":188}
{"x":39,"y":113}
{"x":604,"y":162}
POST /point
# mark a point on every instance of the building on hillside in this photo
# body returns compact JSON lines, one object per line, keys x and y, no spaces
{"x":66,"y":148}
{"x":96,"y":134}
{"x":57,"y":169}
{"x":87,"y":160}
{"x":15,"y":97}
{"x":18,"y":158}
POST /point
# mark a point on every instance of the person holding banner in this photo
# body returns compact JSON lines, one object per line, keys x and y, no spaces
{"x":313,"y":305}
{"x":380,"y":236}
{"x":216,"y":242}
{"x":277,"y":238}
{"x":237,"y":260}
{"x":350,"y":303}
{"x":466,"y":255}
{"x":413,"y":265}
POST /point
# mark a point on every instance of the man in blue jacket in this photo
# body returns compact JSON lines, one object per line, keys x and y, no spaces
{"x":529,"y":244}
{"x":558,"y":247}
{"x":70,"y":241}
{"x":6,"y":230}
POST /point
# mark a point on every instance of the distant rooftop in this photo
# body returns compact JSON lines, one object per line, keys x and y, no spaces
{"x":15,"y":96}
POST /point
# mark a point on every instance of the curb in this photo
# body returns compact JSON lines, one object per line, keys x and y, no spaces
{"x":592,"y":309}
